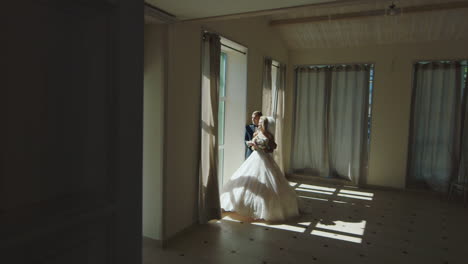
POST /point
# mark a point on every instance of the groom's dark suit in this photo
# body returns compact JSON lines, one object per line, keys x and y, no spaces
{"x":249,"y":131}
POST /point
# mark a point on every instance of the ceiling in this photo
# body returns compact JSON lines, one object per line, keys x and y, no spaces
{"x":363,"y":30}
{"x":196,"y":9}
{"x":438,"y":25}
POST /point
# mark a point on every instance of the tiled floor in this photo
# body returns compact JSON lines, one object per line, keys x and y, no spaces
{"x":339,"y":224}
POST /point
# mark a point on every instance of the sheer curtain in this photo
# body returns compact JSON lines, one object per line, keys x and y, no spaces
{"x":278,"y":114}
{"x":309,"y":145}
{"x":208,"y":199}
{"x":330,"y":127}
{"x":266,"y":89}
{"x":273,"y":103}
{"x":347,"y":135}
{"x":463,"y":168}
{"x":435,"y":125}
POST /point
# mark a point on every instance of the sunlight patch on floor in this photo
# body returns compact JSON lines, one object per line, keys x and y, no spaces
{"x":313,"y":191}
{"x":345,"y":227}
{"x":355,"y":196}
{"x":316,"y":187}
{"x":313,"y":198}
{"x":341,"y":202}
{"x":306,"y":224}
{"x":228,"y":218}
{"x":336,"y":236}
{"x":368,"y":194}
{"x":292,"y":183}
{"x":282,"y":227}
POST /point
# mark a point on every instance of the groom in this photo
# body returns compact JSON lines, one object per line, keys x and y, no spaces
{"x":249,"y":131}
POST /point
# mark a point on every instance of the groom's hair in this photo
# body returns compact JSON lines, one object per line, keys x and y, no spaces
{"x":257,"y":113}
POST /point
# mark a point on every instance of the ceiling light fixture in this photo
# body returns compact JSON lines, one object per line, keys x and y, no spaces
{"x":392,"y":10}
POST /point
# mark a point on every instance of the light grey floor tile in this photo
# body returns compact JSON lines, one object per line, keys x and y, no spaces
{"x":390,"y":227}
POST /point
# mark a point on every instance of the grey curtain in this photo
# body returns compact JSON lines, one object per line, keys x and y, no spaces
{"x":347,"y":129}
{"x":208,"y":199}
{"x":278,"y":114}
{"x":463,"y":167}
{"x":434,"y":152}
{"x":266,"y":89}
{"x":309,"y":142}
{"x":273,"y":103}
{"x":330,"y":128}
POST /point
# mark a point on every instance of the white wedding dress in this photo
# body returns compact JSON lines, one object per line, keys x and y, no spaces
{"x":259,"y":189}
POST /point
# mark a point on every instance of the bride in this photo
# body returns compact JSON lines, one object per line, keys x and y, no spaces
{"x":258,"y":189}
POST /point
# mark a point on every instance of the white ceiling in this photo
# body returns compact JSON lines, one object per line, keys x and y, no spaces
{"x":422,"y":27}
{"x":442,"y":25}
{"x":192,"y":9}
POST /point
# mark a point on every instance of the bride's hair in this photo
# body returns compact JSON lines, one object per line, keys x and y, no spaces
{"x":268,"y":126}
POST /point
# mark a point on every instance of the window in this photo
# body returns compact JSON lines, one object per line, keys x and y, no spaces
{"x":231,"y":108}
{"x":221,"y":113}
{"x":464,"y":76}
{"x":332,"y":120}
{"x":274,"y":87}
{"x":436,"y":114}
{"x":371,"y":87}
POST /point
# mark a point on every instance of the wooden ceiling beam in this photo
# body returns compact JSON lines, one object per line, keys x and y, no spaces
{"x":278,"y":11}
{"x":371,"y":13}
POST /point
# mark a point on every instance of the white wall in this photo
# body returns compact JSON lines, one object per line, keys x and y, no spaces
{"x":153,"y":124}
{"x":391,"y":99}
{"x":183,"y":105}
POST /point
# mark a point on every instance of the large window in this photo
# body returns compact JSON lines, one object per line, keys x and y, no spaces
{"x":436,"y":123}
{"x":274,"y":86}
{"x":464,"y":76}
{"x":221,"y":113}
{"x":232,"y":108}
{"x":332,"y":120}
{"x":369,"y":115}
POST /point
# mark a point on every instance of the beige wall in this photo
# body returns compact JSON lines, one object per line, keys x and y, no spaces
{"x":391,"y":99}
{"x":153,"y":123}
{"x":183,"y":105}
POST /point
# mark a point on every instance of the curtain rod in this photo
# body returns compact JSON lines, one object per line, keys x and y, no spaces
{"x":462,"y":62}
{"x":273,"y":61}
{"x":240,"y":51}
{"x":205,"y":31}
{"x":331,"y":65}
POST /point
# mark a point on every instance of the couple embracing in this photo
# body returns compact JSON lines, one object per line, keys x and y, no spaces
{"x":258,"y":189}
